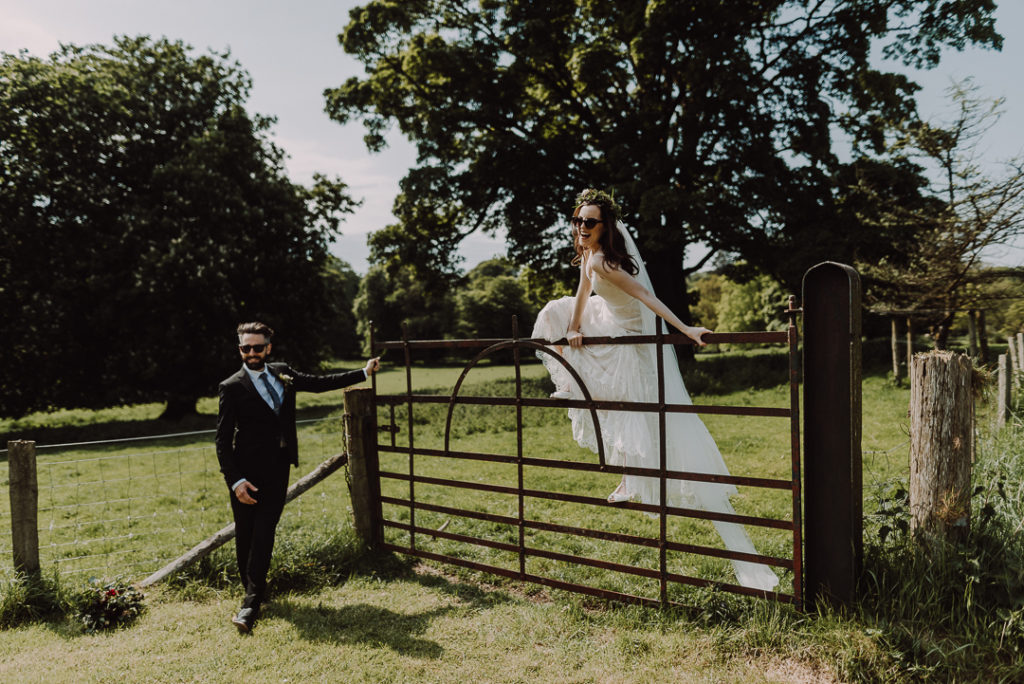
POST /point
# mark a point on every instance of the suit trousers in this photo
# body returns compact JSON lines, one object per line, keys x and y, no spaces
{"x":255,"y":528}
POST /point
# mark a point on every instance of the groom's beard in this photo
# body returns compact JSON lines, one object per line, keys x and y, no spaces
{"x":254,"y":363}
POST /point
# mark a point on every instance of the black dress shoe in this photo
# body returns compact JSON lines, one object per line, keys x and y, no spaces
{"x":245,"y":619}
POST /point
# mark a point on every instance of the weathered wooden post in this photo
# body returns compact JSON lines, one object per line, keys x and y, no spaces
{"x":895,"y":351}
{"x":832,"y":433}
{"x":364,"y":467}
{"x":24,"y":493}
{"x":1003,"y":399}
{"x":1011,"y":352}
{"x":941,"y":443}
{"x":1020,"y":358}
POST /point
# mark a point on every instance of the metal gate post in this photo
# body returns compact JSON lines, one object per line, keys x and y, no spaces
{"x":832,"y":434}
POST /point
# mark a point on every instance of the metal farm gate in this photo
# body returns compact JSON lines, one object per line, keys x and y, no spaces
{"x":521,"y":520}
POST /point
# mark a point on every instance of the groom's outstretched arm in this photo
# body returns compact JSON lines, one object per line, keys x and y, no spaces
{"x":305,"y":382}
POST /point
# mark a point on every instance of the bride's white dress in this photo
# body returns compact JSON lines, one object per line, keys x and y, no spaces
{"x":628,"y":372}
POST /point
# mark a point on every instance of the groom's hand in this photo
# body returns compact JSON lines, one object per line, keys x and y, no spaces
{"x":372,"y":366}
{"x":242,"y":492}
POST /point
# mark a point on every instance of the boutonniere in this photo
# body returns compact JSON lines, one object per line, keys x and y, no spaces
{"x":286,"y":379}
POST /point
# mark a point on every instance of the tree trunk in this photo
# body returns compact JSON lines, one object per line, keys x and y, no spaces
{"x":666,"y":270}
{"x":941,"y":444}
{"x":942,"y":331}
{"x":895,"y":351}
{"x":982,"y":337}
{"x":972,"y":335}
{"x":179,"y":407}
{"x":910,"y":347}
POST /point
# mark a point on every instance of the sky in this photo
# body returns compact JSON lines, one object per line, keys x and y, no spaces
{"x":291,"y":51}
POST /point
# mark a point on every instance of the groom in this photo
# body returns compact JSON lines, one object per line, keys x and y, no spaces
{"x":256,"y":442}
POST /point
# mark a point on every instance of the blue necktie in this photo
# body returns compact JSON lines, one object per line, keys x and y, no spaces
{"x":274,"y":398}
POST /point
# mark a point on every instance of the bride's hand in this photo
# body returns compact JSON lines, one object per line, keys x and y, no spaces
{"x":574,"y":338}
{"x":695,"y":333}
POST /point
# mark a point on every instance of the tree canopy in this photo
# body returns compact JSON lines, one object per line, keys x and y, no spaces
{"x":965,"y":213}
{"x":144,"y":213}
{"x":712,"y":121}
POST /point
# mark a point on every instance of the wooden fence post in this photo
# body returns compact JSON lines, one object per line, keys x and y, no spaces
{"x":24,"y":493}
{"x":1020,"y":358}
{"x":833,"y":492}
{"x":941,"y":443}
{"x":364,"y":468}
{"x":1004,"y":396}
{"x":895,"y":351}
{"x":1011,"y":353}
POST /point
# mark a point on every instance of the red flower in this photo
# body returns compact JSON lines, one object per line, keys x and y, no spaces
{"x":112,"y":592}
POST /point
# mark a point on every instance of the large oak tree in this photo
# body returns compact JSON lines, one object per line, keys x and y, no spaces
{"x":713,"y":121}
{"x":144,"y":212}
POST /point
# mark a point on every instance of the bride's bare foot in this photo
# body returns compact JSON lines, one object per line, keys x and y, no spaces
{"x":619,"y":495}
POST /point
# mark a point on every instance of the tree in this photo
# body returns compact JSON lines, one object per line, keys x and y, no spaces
{"x":341,"y":329}
{"x":712,"y":122}
{"x":493,"y":292}
{"x":144,"y":214}
{"x":967,"y":213}
{"x":753,"y":305}
{"x":404,"y":301}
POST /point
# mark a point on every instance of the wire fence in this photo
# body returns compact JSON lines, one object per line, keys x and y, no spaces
{"x":110,"y":509}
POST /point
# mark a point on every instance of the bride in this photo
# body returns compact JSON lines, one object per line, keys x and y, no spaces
{"x":625,"y":304}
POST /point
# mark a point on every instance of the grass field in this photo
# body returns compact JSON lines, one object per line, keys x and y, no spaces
{"x":388,"y":619}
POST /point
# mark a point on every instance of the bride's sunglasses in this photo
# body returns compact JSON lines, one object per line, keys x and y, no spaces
{"x":589,"y":223}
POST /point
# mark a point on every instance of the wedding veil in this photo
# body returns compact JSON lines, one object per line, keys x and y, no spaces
{"x":690,"y":447}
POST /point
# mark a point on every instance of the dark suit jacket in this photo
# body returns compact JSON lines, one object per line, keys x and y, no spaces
{"x":250,"y":436}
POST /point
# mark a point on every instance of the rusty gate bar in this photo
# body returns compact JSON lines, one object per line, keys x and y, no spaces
{"x":576,"y":498}
{"x":521,"y":498}
{"x":412,"y":448}
{"x":669,"y":338}
{"x":662,"y":510}
{"x":794,"y":426}
{"x":650,"y":407}
{"x":762,"y":482}
{"x":620,"y":537}
{"x":659,"y":350}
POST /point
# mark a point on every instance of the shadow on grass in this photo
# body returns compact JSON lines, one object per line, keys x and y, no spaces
{"x":362,"y":624}
{"x":394,"y":567}
{"x":376,"y":626}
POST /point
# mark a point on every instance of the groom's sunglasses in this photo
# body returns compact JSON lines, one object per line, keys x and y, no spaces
{"x":258,"y":348}
{"x":588,"y":222}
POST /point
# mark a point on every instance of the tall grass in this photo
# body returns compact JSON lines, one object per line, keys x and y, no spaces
{"x":953,"y":609}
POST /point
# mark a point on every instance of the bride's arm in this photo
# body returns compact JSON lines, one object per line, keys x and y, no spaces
{"x":573,"y":334}
{"x":632,"y":286}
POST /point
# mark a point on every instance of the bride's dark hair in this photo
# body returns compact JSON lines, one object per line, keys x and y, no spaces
{"x":612,"y":245}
